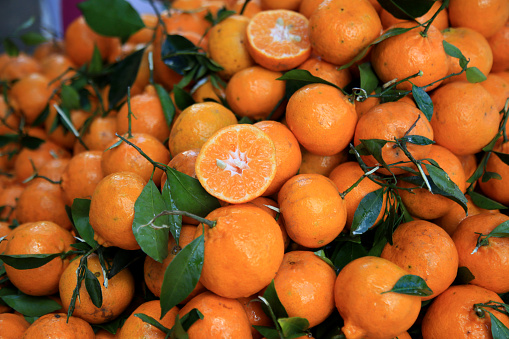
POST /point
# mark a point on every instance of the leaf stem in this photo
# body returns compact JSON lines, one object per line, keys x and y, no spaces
{"x":154,"y":163}
{"x":209,"y":223}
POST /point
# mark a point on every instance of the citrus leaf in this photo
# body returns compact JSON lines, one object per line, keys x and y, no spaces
{"x":10,"y":47}
{"x":474,"y":75}
{"x":321,"y":255}
{"x":453,"y":51}
{"x":391,"y":95}
{"x":423,"y":101}
{"x":93,"y":287}
{"x":485,"y":202}
{"x":374,"y":147}
{"x":479,"y":170}
{"x":166,"y":103}
{"x":406,"y":10}
{"x":28,"y":261}
{"x":80,"y":210}
{"x":149,"y":320}
{"x":177,"y":331}
{"x":29,"y":305}
{"x":498,"y":329}
{"x":369,"y":80}
{"x":182,"y":98}
{"x":70,"y":97}
{"x":122,"y":259}
{"x":267,"y":332}
{"x":346,"y":253}
{"x":182,"y":274}
{"x":32,"y":38}
{"x":293,"y":327}
{"x":464,"y":276}
{"x":503,"y":156}
{"x":9,"y":138}
{"x":175,"y":221}
{"x":96,"y":63}
{"x":298,"y":78}
{"x":446,"y":186}
{"x":152,"y":235}
{"x":276,"y":307}
{"x":123,"y":74}
{"x":190,"y":318}
{"x":417,"y":140}
{"x":501,"y":231}
{"x":367,"y":212}
{"x":114,"y":18}
{"x":490,"y":175}
{"x":411,"y":285}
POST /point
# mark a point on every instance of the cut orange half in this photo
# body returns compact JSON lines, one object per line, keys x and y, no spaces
{"x":279,"y":39}
{"x":237,"y":163}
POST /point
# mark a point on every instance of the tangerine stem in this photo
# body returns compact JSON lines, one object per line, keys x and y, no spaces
{"x":430,"y":21}
{"x":209,"y":223}
{"x":355,"y":184}
{"x":244,"y":7}
{"x":154,"y":163}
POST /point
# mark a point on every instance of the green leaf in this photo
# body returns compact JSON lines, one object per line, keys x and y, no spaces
{"x":321,"y":255}
{"x":417,"y":140}
{"x":182,"y":98}
{"x":177,"y":331}
{"x":298,"y":78}
{"x":166,"y":103}
{"x":374,"y":147}
{"x":123,"y":74}
{"x":149,"y":320}
{"x":267,"y":332}
{"x":479,"y":170}
{"x":406,"y":10}
{"x":391,"y":95}
{"x":498,"y":329}
{"x":9,"y":138}
{"x":29,"y":305}
{"x":93,"y":287}
{"x":464,"y":276}
{"x":80,"y":210}
{"x":347,"y":252}
{"x":485,"y":202}
{"x":369,"y":80}
{"x":501,"y":231}
{"x":152,"y":236}
{"x":174,"y":220}
{"x":446,"y":186}
{"x":293,"y":327}
{"x":182,"y":274}
{"x":28,"y":261}
{"x":70,"y":97}
{"x":453,"y":51}
{"x":122,"y":259}
{"x":189,"y":195}
{"x":27,"y":24}
{"x":367,"y":212}
{"x":474,"y":75}
{"x":423,"y":101}
{"x":10,"y":47}
{"x":504,"y":157}
{"x":276,"y":306}
{"x":490,"y":175}
{"x":114,"y":18}
{"x":412,"y":285}
{"x":96,"y":63}
{"x":32,"y":38}
{"x":190,"y":318}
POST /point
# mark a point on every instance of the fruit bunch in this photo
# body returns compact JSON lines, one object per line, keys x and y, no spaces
{"x":267,"y":168}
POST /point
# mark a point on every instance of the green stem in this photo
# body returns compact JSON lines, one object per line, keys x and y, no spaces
{"x":154,"y":163}
{"x":129,"y":113}
{"x":430,"y":21}
{"x":207,"y":222}
{"x":355,"y":184}
{"x":244,"y":7}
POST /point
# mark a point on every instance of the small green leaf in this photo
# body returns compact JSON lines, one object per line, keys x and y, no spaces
{"x":417,"y":140}
{"x":152,"y":235}
{"x":6,"y":139}
{"x":166,"y":103}
{"x":293,"y":327}
{"x":149,"y":320}
{"x":32,"y":38}
{"x":406,"y":10}
{"x":10,"y":47}
{"x":174,"y":220}
{"x":423,"y":101}
{"x":498,"y":329}
{"x":70,"y":97}
{"x":464,"y":276}
{"x":479,"y":170}
{"x":93,"y":287}
{"x":122,"y":259}
{"x":177,"y":331}
{"x":347,"y":252}
{"x":182,"y":274}
{"x":80,"y":210}
{"x":182,"y":98}
{"x":28,"y":261}
{"x":490,"y":175}
{"x":367,"y":212}
{"x":374,"y":147}
{"x":446,"y":186}
{"x":114,"y":18}
{"x":29,"y":305}
{"x":391,"y":95}
{"x":190,"y":318}
{"x":412,"y":285}
{"x":276,"y":306}
{"x":65,"y":117}
{"x":123,"y":74}
{"x":474,"y":75}
{"x":267,"y":332}
{"x":321,"y":255}
{"x":96,"y":63}
{"x":453,"y":51}
{"x":485,"y":202}
{"x":369,"y":80}
{"x":298,"y":78}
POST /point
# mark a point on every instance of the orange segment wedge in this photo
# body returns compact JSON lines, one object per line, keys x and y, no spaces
{"x":279,"y":39}
{"x":237,"y":163}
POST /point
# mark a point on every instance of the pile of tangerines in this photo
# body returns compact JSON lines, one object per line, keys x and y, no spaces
{"x":266,"y":168}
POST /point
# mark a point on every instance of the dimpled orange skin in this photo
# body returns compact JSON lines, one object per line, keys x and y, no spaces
{"x":485,"y":16}
{"x":42,"y":237}
{"x":30,"y":95}
{"x":490,"y":264}
{"x":81,"y":176}
{"x":452,"y":314}
{"x":366,"y":310}
{"x":224,"y":318}
{"x":314,"y":211}
{"x":13,"y":325}
{"x":243,"y":250}
{"x":56,"y":325}
{"x":135,"y":328}
{"x":305,"y":286}
{"x":424,"y":249}
{"x":112,"y":209}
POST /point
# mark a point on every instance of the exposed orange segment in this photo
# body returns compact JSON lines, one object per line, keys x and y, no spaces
{"x":237,"y":163}
{"x":279,"y":39}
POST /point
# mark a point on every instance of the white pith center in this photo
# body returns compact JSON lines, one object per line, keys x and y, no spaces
{"x":236,"y":163}
{"x":281,"y":32}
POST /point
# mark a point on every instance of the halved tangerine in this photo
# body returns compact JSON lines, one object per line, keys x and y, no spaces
{"x":237,"y":163}
{"x":279,"y":39}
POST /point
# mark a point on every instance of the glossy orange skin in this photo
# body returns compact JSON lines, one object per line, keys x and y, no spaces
{"x":489,"y":264}
{"x":54,"y":325}
{"x":9,"y":198}
{"x":307,"y":7}
{"x":465,"y":118}
{"x":452,"y":314}
{"x":134,"y":327}
{"x":498,"y":88}
{"x":424,"y":249}
{"x":30,"y":95}
{"x":320,"y":164}
{"x":263,"y":203}
{"x":223,"y":318}
{"x":18,"y":67}
{"x":242,"y":251}
{"x":360,"y":299}
{"x":314,"y":211}
{"x":406,"y":54}
{"x":305,"y":286}
{"x":327,"y":71}
{"x":485,"y":16}
{"x":42,"y":237}
{"x":322,"y":118}
{"x":499,"y":42}
{"x":13,"y":326}
{"x":493,"y":188}
{"x":98,"y":135}
{"x":81,"y":176}
{"x":56,"y":65}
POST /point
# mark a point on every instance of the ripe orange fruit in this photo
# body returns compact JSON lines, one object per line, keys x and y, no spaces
{"x":305,"y":286}
{"x":389,"y":121}
{"x":314,"y":211}
{"x":4,"y":230}
{"x":257,"y":317}
{"x":126,"y":158}
{"x":242,"y":251}
{"x":196,"y":124}
{"x":56,"y":65}
{"x":145,"y":34}
{"x":57,"y":325}
{"x":9,"y":199}
{"x":288,"y":155}
{"x":360,"y":294}
{"x":222,"y":317}
{"x":320,"y":164}
{"x":424,"y":249}
{"x":339,"y":30}
{"x":486,"y":17}
{"x":474,"y":47}
{"x":264,"y":203}
{"x":228,"y":45}
{"x":41,"y":237}
{"x":184,"y":162}
{"x":498,"y":88}
{"x":19,"y":67}
{"x":344,"y":176}
{"x":13,"y":325}
{"x":60,"y":135}
{"x":453,"y":315}
{"x":134,"y":327}
{"x":322,"y":118}
{"x":116,"y":297}
{"x":9,"y":121}
{"x":292,"y":5}
{"x":255,"y":93}
{"x":307,"y":7}
{"x":391,"y":61}
{"x":327,"y":71}
{"x":488,"y":263}
{"x":81,"y":176}
{"x":30,"y":96}
{"x":465,"y":118}
{"x":47,"y":48}
{"x":499,"y":42}
{"x":98,"y":135}
{"x":278,"y":39}
{"x":237,"y":163}
{"x":497,"y":188}
{"x":112,"y":209}
{"x":251,"y":9}
{"x":441,"y":22}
